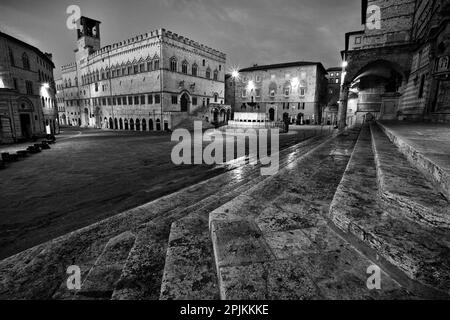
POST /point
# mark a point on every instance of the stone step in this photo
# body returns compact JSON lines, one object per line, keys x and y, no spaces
{"x":101,"y":279}
{"x":40,"y":272}
{"x":189,"y":272}
{"x":142,"y":272}
{"x":417,"y":250}
{"x":273,"y":241}
{"x":403,"y":188}
{"x":430,"y":156}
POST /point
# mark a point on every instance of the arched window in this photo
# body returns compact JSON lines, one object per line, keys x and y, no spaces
{"x":194,"y":69}
{"x":156,"y":64}
{"x":216,"y":75}
{"x":11,"y":57}
{"x":25,"y":61}
{"x":184,"y":67}
{"x":208,"y":73}
{"x":216,"y":97}
{"x":173,"y":64}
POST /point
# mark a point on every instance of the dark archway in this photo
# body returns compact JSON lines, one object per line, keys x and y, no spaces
{"x":144,"y":125}
{"x":120,"y":124}
{"x":158,"y":125}
{"x":138,"y":125}
{"x":184,"y":102}
{"x":111,"y":124}
{"x":116,"y":126}
{"x":272,"y":114}
{"x":215,"y":116}
{"x":25,"y":125}
{"x":131,"y":124}
{"x":150,"y":125}
{"x":126,"y":124}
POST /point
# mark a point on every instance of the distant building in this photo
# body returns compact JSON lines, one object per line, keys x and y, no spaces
{"x":334,"y":79}
{"x":153,"y":81}
{"x":294,"y":91}
{"x":27,"y":91}
{"x":399,"y":65}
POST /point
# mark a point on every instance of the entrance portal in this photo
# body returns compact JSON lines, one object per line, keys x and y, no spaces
{"x":25,"y":124}
{"x":184,"y":101}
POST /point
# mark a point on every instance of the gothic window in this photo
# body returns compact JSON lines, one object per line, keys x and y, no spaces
{"x":208,"y":73}
{"x":149,"y":66}
{"x":142,"y":67}
{"x":194,"y":70}
{"x":173,"y":64}
{"x":135,"y":69}
{"x":25,"y":61}
{"x":216,"y":97}
{"x":157,"y":98}
{"x":216,"y":75}
{"x":287,"y":89}
{"x":156,"y":64}
{"x":184,"y":67}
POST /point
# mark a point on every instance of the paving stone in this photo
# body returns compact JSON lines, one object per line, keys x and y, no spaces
{"x":238,"y":242}
{"x":101,"y":279}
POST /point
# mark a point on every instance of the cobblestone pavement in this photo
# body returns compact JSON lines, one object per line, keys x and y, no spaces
{"x":89,"y":175}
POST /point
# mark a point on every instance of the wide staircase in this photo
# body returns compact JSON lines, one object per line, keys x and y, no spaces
{"x":338,"y":205}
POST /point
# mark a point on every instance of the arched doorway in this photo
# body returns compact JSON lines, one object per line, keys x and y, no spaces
{"x":144,"y":125}
{"x":115,"y":124}
{"x":111,"y":124}
{"x":215,"y":116}
{"x":25,"y":125}
{"x":299,"y":120}
{"x":158,"y":125}
{"x":184,"y":102}
{"x":126,"y":124}
{"x":120,"y":124}
{"x":222,"y":115}
{"x":86,"y":117}
{"x":272,"y":114}
{"x":131,"y":124}
{"x":150,"y":125}
{"x":138,"y":125}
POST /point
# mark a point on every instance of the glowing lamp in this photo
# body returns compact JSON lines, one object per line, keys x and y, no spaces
{"x":45,"y":85}
{"x":344,"y":64}
{"x":235,"y":74}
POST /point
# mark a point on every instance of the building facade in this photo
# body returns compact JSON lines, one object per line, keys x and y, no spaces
{"x":27,"y":91}
{"x":153,"y":81}
{"x":398,"y":66}
{"x":334,"y":80}
{"x":294,"y":91}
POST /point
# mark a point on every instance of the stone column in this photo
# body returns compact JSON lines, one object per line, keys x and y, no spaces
{"x":342,"y":112}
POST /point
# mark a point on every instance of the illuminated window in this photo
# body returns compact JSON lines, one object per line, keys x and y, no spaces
{"x":244,"y":93}
{"x":258,"y":93}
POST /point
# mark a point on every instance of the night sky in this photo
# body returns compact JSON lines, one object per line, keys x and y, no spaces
{"x":248,"y":31}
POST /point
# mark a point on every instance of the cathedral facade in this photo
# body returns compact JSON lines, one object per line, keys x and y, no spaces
{"x":153,"y":81}
{"x":398,"y":66}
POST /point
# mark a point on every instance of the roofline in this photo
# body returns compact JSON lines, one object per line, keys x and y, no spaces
{"x":29,"y":46}
{"x":284,"y":65}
